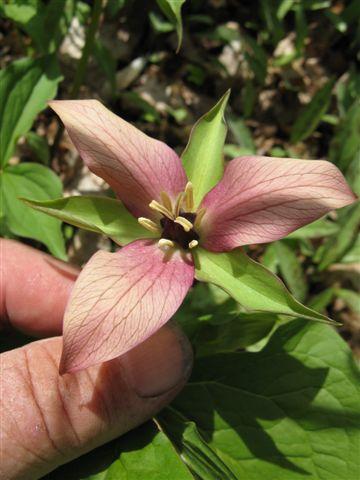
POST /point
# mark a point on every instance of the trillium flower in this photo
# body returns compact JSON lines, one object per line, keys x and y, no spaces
{"x":177,"y":220}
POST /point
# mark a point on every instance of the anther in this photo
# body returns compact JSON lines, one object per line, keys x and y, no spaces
{"x":166,"y":201}
{"x":165,"y":244}
{"x":149,"y":225}
{"x":199,"y":216}
{"x":160,"y":208}
{"x":189,"y":197}
{"x":185,"y":223}
{"x":193,"y":244}
{"x":178,"y":204}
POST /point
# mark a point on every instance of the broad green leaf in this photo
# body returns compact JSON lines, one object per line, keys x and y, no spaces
{"x":291,"y":270}
{"x":319,"y":228}
{"x":270,"y":259}
{"x":250,"y":283}
{"x":142,"y":454}
{"x":203,"y":156}
{"x":337,"y":245}
{"x":38,"y":182}
{"x":288,"y":412}
{"x":97,"y":214}
{"x":311,"y":115}
{"x":172,"y":9}
{"x":200,"y":457}
{"x":39,"y":146}
{"x":239,"y":331}
{"x":25,"y":87}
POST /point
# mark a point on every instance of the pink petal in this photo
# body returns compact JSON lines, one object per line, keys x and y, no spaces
{"x":261,"y":199}
{"x":120,"y":299}
{"x":136,"y":166}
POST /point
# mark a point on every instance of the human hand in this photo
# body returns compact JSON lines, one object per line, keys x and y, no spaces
{"x":48,"y":419}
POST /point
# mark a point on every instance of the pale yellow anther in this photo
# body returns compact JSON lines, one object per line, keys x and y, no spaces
{"x":199,"y":215}
{"x":165,"y":244}
{"x":189,"y":197}
{"x":178,"y":204}
{"x":160,"y":208}
{"x":184,"y":222}
{"x":149,"y":225}
{"x":166,"y":201}
{"x":193,"y":244}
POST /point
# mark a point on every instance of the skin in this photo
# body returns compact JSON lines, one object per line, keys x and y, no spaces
{"x":47,"y":419}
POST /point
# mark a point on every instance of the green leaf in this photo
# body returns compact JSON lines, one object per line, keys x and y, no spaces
{"x":38,"y":182}
{"x":319,"y":228}
{"x":311,"y":115}
{"x":288,"y":412}
{"x":25,"y":87}
{"x":97,"y":214}
{"x":337,"y":245}
{"x":249,"y":283}
{"x":39,"y":146}
{"x":201,"y":458}
{"x":172,"y":9}
{"x":346,"y":142}
{"x":353,"y":255}
{"x":241,"y":133}
{"x":239,"y":330}
{"x":43,"y":23}
{"x":203,"y":157}
{"x":291,"y":270}
{"x":142,"y":454}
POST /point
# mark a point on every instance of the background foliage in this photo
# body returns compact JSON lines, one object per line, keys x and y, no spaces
{"x":268,"y":398}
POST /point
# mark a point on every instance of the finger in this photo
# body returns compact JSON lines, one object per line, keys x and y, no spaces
{"x":48,"y":420}
{"x":34,"y":289}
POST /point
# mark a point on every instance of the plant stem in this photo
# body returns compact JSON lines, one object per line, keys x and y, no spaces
{"x":83,"y":62}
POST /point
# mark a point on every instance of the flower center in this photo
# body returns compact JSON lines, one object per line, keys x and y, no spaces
{"x":179,"y":221}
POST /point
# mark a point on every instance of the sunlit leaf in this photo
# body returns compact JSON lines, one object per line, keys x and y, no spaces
{"x":288,"y":412}
{"x":38,"y":182}
{"x":172,"y":9}
{"x":25,"y":87}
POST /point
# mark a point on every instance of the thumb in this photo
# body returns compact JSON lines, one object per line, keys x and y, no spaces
{"x":48,"y":420}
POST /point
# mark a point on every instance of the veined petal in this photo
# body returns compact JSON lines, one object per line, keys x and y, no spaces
{"x":262,"y":199}
{"x":120,"y":299}
{"x":137,"y":167}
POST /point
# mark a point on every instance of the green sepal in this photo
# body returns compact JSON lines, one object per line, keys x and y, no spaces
{"x":203,"y":156}
{"x":97,"y":214}
{"x":250,"y":284}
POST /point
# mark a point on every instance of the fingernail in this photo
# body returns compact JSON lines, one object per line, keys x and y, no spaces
{"x":159,"y":364}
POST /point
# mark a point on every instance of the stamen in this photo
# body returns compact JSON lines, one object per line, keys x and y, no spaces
{"x":178,"y":204}
{"x":199,"y":216}
{"x":193,"y":244}
{"x":149,"y":225}
{"x":184,"y":222}
{"x":189,"y":197}
{"x":160,"y":208}
{"x":166,"y":201}
{"x":165,"y":244}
